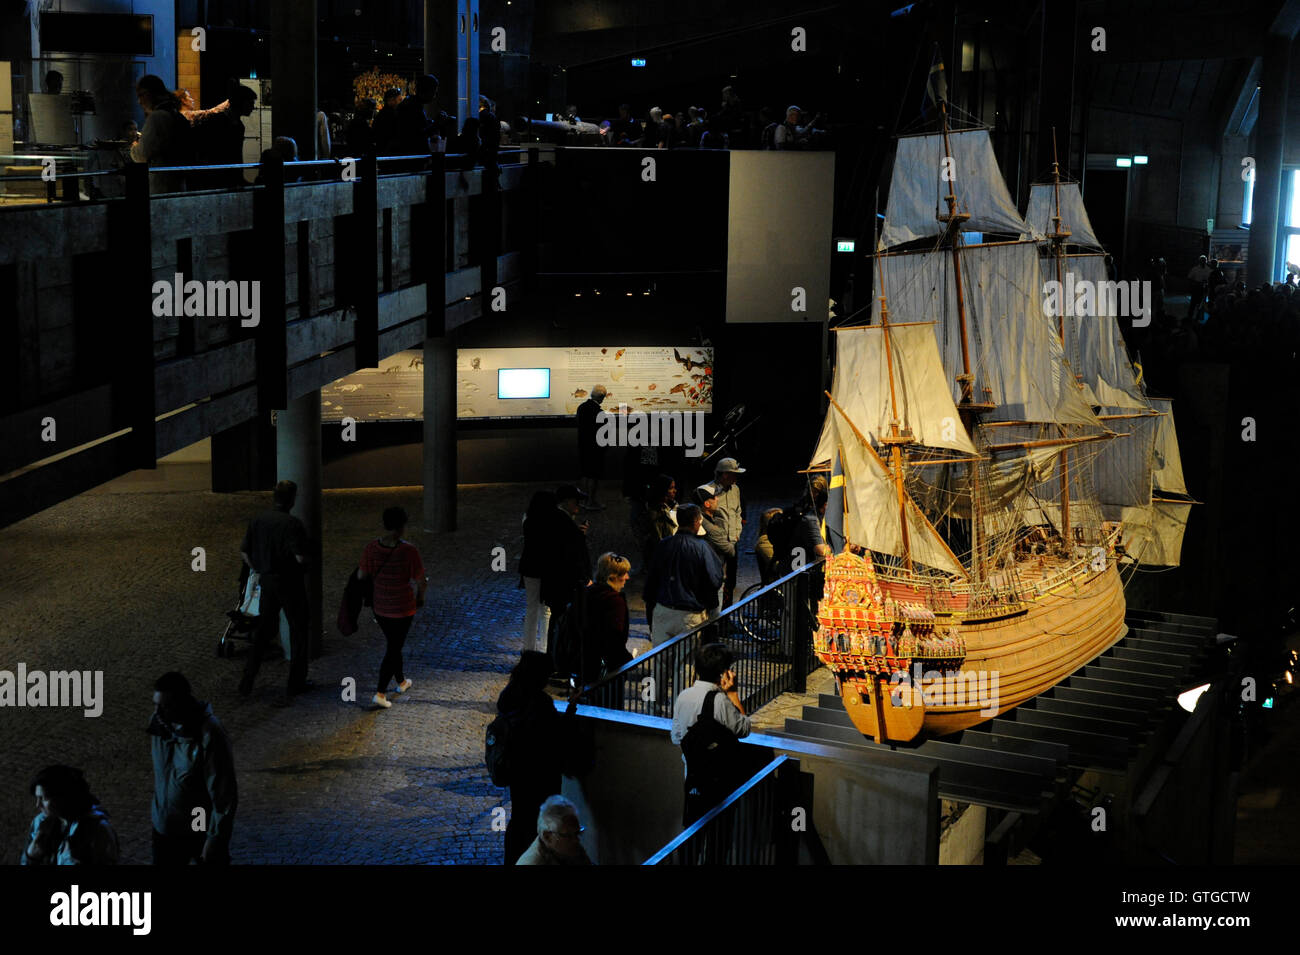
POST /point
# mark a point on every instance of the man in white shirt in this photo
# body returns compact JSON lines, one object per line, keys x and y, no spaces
{"x":714,"y":674}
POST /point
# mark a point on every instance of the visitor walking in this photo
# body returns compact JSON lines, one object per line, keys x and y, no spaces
{"x":195,"y":795}
{"x":393,"y":565}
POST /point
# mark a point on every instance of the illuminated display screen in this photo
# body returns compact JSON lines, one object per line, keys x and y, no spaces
{"x":523,"y":382}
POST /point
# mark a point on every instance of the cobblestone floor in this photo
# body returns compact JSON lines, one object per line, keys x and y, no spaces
{"x":103,"y":582}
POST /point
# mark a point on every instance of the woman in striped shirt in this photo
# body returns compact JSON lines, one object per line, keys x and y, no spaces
{"x":395,"y":565}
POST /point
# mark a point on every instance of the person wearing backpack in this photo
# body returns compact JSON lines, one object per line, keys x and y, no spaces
{"x":708,"y":724}
{"x":525,"y":748}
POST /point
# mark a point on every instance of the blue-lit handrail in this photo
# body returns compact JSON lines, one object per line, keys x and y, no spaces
{"x":663,"y":647}
{"x":703,"y":822}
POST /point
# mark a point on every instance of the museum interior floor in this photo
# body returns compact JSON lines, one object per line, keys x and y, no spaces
{"x":104,"y":582}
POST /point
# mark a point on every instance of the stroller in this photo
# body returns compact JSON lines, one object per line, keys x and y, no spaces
{"x":243,"y":620}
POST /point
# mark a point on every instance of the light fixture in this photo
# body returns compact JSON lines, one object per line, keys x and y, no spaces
{"x":1187,"y":699}
{"x":1123,"y":162}
{"x":1139,"y":160}
{"x":638,"y":61}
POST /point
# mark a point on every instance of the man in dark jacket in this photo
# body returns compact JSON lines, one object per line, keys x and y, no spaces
{"x":535,"y":748}
{"x":276,"y":546}
{"x":591,"y":456}
{"x":420,"y":124}
{"x":681,"y":587}
{"x":570,"y":569}
{"x":195,"y":795}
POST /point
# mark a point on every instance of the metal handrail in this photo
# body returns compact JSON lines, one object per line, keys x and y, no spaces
{"x":764,"y":628}
{"x":706,"y":821}
{"x":708,"y":623}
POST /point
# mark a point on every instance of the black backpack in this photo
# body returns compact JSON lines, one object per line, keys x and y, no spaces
{"x":714,"y":762}
{"x":497,"y":755}
{"x":780,"y":532}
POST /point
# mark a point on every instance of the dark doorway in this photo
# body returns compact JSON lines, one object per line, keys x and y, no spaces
{"x":1105,"y":194}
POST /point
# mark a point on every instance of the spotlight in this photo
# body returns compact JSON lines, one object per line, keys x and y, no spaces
{"x":1187,"y":699}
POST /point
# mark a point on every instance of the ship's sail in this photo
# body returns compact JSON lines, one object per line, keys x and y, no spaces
{"x":1168,"y":467}
{"x":1125,"y":474}
{"x":871,"y":516}
{"x":918,"y":185}
{"x":1018,"y":364}
{"x":922,"y":396}
{"x":1074,"y":217}
{"x":1153,"y":532}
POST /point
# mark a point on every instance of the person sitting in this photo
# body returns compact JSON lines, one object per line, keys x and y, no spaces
{"x":71,"y":827}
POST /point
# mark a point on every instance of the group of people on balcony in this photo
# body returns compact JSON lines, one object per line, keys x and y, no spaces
{"x":730,"y":126}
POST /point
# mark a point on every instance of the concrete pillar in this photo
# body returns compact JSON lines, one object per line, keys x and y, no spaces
{"x":451,"y":38}
{"x":439,"y":435}
{"x":1269,"y":130}
{"x":297,"y":450}
{"x":293,"y":73}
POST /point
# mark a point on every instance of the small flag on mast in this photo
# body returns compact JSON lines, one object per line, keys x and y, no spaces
{"x":833,"y":524}
{"x":936,"y":84}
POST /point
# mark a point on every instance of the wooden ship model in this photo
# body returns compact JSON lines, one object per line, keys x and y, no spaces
{"x":985,"y":489}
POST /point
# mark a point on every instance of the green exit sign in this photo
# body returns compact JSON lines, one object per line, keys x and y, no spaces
{"x":845,"y":245}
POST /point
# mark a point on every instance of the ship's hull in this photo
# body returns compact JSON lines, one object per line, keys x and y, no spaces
{"x":1005,"y":659}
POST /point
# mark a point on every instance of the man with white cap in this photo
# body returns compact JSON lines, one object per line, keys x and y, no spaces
{"x":730,"y":515}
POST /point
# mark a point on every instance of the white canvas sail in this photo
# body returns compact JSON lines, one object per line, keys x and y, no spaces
{"x":1122,"y":468}
{"x":921,"y":392}
{"x":1074,"y":217}
{"x":1004,"y":481}
{"x":1153,"y":535}
{"x":1093,"y":343}
{"x":917,"y":188}
{"x":1168,"y":463}
{"x":1014,"y":352}
{"x":872,"y":518}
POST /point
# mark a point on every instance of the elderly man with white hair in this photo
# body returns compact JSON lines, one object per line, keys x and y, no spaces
{"x":559,"y":836}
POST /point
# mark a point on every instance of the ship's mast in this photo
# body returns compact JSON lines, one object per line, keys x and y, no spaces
{"x":1058,"y":237}
{"x":897,"y":439}
{"x":968,"y":408}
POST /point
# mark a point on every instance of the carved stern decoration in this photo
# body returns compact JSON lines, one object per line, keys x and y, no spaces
{"x":875,"y":644}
